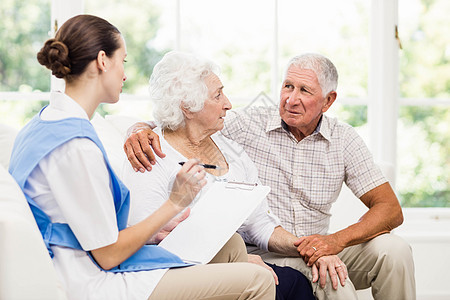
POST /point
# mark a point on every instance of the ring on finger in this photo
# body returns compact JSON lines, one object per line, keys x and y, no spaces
{"x":315,"y":249}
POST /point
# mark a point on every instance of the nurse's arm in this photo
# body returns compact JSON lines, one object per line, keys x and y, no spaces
{"x":131,"y":239}
{"x":189,"y":181}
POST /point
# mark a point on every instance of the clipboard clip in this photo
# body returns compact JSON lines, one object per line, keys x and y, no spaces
{"x":240,"y":185}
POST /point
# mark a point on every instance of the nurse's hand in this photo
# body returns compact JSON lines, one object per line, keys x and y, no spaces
{"x":188,"y":182}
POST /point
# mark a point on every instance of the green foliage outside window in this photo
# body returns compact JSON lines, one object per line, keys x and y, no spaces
{"x":138,"y":21}
{"x":423,"y":134}
{"x":24,"y":27}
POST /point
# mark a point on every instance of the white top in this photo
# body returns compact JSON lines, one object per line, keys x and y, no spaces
{"x":150,"y":189}
{"x":72,"y":185}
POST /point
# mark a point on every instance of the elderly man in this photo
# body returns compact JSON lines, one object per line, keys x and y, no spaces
{"x":305,"y":156}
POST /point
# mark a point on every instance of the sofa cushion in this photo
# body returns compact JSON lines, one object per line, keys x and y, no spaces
{"x":7,"y":136}
{"x":26,"y":269}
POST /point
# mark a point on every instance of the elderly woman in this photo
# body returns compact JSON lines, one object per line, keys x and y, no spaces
{"x":189,"y":107}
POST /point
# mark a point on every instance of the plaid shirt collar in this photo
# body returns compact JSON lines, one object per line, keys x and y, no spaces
{"x":276,"y":122}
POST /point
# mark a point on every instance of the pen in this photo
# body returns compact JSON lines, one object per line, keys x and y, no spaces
{"x":206,"y":166}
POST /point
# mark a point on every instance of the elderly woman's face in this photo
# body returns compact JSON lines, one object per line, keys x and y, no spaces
{"x":210,"y":118}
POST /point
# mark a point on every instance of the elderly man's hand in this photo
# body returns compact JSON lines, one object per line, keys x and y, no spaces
{"x":312,"y":247}
{"x":140,"y":137}
{"x":332,"y":265}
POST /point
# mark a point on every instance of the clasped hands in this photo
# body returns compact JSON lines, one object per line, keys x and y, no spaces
{"x":319,"y":252}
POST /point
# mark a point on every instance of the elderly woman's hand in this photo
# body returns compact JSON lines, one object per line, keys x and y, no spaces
{"x":188,"y":182}
{"x":164,"y":232}
{"x":335,"y":268}
{"x":140,"y":137}
{"x":256,"y":259}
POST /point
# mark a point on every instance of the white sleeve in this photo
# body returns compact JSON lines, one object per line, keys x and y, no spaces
{"x":79,"y":180}
{"x":259,"y":226}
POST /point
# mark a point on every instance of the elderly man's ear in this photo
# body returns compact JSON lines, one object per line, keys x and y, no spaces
{"x":329,"y":100}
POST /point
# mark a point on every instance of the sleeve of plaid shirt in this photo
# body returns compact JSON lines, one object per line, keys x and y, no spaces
{"x":361,"y":172}
{"x":237,"y":123}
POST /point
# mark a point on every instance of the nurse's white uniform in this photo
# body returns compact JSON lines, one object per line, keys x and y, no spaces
{"x":72,"y":185}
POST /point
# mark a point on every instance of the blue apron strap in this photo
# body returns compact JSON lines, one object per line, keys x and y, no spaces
{"x":53,"y":233}
{"x":147,"y":258}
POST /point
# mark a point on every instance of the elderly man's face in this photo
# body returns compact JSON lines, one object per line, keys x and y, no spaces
{"x":301,"y":101}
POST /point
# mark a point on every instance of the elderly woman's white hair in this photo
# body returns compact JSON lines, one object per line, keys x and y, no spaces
{"x":177,"y":81}
{"x":325,"y":70}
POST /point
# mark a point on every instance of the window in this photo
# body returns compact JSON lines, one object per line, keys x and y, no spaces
{"x":145,"y":28}
{"x":424,"y":117}
{"x":235,"y":34}
{"x":253,"y":46}
{"x":252,"y":42}
{"x":24,"y":25}
{"x":340,"y":31}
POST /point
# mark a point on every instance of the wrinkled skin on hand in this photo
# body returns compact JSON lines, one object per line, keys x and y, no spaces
{"x":141,"y":146}
{"x":332,"y":265}
{"x":312,"y":247}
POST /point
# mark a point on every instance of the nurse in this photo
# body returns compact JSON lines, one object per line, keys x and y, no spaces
{"x":81,"y":206}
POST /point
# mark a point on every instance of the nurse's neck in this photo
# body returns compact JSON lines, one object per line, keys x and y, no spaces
{"x":85,"y":93}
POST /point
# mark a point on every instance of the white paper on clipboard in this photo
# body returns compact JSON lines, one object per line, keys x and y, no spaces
{"x":213,"y":220}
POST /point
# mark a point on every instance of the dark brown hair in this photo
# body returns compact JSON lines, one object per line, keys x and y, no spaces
{"x":76,"y":44}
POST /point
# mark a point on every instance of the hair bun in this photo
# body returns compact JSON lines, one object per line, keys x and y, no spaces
{"x":55,"y":56}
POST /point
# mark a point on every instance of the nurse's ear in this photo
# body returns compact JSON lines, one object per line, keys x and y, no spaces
{"x":102,"y":61}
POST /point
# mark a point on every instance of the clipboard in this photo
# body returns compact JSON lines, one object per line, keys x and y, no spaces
{"x":217,"y":214}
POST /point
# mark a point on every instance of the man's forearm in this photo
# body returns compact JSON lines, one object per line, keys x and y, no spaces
{"x":384,"y":215}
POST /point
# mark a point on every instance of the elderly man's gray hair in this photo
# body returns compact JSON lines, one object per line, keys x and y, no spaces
{"x":177,"y":81}
{"x":325,"y":70}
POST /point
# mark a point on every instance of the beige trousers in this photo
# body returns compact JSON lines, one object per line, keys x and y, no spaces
{"x":385,"y":263}
{"x":227,"y":276}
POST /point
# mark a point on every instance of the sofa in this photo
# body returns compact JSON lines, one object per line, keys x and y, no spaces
{"x":26,"y":270}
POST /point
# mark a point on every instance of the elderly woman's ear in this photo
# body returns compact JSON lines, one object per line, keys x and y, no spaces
{"x":186,"y":112}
